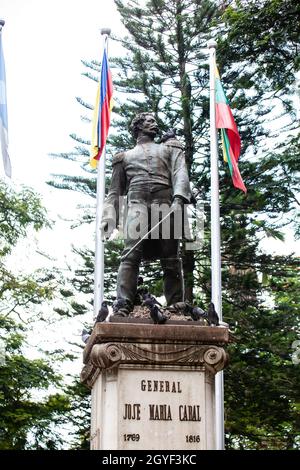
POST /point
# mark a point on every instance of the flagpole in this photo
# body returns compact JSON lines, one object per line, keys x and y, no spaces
{"x":216,"y":280}
{"x":100,"y":196}
{"x":3,"y":111}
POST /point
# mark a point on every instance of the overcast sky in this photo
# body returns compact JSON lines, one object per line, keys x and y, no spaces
{"x":44,"y":42}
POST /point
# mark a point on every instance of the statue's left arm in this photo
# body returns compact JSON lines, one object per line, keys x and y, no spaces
{"x":179,"y":173}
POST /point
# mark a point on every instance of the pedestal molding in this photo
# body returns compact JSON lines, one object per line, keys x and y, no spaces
{"x":108,"y":355}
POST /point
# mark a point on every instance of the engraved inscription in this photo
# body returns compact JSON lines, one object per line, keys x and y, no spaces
{"x":156,"y":403}
{"x":160,"y":412}
{"x":189,"y":413}
{"x":132,"y":411}
{"x":192,"y":438}
{"x":131,"y":437}
{"x":160,"y":386}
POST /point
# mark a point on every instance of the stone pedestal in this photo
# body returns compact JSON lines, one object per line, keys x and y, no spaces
{"x":153,"y":385}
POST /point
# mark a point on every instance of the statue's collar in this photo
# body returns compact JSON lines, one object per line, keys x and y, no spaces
{"x":144,"y":139}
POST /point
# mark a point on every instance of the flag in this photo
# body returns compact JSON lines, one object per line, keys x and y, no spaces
{"x":231,"y":141}
{"x":102,"y":111}
{"x":3,"y":114}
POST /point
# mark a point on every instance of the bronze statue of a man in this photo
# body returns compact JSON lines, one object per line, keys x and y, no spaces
{"x":150,"y":174}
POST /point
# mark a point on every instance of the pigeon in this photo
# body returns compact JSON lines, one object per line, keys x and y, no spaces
{"x":170,"y":134}
{"x":212,"y":315}
{"x":118,"y":304}
{"x":178,"y":308}
{"x":103,"y":313}
{"x":85,"y":335}
{"x":142,"y":290}
{"x":155,"y":313}
{"x":197,"y":313}
{"x":194,"y":312}
{"x":149,"y":297}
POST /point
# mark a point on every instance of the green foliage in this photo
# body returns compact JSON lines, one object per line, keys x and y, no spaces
{"x":29,"y":413}
{"x":28,"y":416}
{"x":266,"y":34}
{"x":79,"y":415}
{"x":19,"y":211}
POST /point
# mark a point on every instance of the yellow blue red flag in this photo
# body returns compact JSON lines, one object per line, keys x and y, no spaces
{"x":102,"y":111}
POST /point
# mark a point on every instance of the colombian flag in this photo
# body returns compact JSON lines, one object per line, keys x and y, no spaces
{"x":231,"y":141}
{"x":102,"y":110}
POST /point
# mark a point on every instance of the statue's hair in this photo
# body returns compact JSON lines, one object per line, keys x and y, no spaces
{"x":136,"y":123}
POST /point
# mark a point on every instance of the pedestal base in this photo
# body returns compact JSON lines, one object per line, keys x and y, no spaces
{"x":153,"y":385}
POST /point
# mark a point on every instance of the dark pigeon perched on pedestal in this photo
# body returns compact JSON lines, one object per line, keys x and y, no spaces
{"x":212,"y":315}
{"x":103,"y":313}
{"x":157,"y":316}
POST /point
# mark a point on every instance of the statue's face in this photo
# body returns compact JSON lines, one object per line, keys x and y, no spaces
{"x":149,"y":126}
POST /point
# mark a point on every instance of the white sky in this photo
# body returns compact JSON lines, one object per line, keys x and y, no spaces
{"x":44,"y":42}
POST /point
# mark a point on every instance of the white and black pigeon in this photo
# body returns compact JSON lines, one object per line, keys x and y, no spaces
{"x":155,"y":313}
{"x":212,"y":315}
{"x":103,"y":313}
{"x":85,"y":335}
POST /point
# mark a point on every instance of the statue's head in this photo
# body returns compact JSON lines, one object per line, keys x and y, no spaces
{"x":144,"y":123}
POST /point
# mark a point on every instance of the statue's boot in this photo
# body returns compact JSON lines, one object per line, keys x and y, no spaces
{"x":126,"y":286}
{"x":173,"y":280}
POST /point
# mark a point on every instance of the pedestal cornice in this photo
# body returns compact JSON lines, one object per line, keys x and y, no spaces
{"x":113,"y":344}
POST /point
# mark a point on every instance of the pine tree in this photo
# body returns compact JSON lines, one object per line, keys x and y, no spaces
{"x":165,"y":70}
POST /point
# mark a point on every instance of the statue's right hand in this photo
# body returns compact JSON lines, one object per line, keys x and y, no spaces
{"x":103,"y":226}
{"x":106,"y":230}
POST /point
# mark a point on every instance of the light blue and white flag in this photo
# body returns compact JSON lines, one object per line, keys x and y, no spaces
{"x":3,"y":114}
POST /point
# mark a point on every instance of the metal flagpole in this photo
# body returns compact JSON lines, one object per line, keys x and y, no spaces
{"x":3,"y":111}
{"x":100,"y":196}
{"x":216,"y":280}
